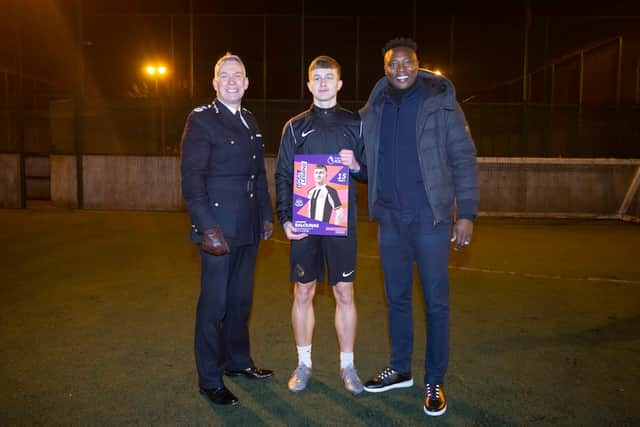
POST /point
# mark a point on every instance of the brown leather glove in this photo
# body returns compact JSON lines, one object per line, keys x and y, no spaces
{"x":213,"y":241}
{"x":267,"y":230}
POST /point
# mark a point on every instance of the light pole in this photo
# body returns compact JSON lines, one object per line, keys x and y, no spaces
{"x":157,"y":72}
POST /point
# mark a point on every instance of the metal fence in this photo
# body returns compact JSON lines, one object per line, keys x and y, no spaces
{"x":153,"y":126}
{"x":525,"y":130}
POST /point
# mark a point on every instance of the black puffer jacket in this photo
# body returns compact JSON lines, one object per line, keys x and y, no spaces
{"x":446,"y":151}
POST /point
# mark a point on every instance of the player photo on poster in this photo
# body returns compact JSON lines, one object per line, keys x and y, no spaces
{"x":320,"y":194}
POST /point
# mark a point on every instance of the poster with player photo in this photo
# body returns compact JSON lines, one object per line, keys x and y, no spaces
{"x":320,"y":194}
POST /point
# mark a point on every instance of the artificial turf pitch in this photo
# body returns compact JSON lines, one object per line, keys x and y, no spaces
{"x":97,"y":318}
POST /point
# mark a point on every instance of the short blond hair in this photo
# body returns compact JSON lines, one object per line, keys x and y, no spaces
{"x":228,"y":57}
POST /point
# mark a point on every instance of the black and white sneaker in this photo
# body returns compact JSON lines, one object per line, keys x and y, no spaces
{"x":388,"y":379}
{"x":434,"y":401}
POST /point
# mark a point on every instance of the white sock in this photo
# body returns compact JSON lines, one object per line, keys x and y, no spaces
{"x":304,"y":355}
{"x":346,"y":359}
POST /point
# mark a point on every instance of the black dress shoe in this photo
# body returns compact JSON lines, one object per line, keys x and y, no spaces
{"x":219,"y":396}
{"x":253,"y":373}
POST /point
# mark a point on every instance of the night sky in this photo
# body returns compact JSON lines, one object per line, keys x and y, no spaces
{"x":476,"y":44}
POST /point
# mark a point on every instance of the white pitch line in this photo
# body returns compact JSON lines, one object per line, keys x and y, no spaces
{"x":545,"y":276}
{"x":513,"y":273}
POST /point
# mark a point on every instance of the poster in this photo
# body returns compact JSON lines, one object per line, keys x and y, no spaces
{"x":320,"y":195}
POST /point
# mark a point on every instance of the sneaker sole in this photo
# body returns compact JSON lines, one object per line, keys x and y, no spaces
{"x":215,"y":405}
{"x":435,"y":414}
{"x":354,"y":392}
{"x":403,"y":384}
{"x":298,"y":389}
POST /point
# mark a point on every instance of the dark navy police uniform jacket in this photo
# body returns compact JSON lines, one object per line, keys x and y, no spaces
{"x":223,"y":174}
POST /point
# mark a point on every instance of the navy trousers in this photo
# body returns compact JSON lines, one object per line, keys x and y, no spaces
{"x":222,"y":316}
{"x":407,"y":237}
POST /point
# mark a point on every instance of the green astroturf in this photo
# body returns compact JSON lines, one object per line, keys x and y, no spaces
{"x":97,"y":317}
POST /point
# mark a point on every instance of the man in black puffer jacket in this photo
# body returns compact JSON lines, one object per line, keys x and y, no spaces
{"x":422,"y":170}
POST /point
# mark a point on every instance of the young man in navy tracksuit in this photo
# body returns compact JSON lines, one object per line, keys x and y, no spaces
{"x":325,"y":128}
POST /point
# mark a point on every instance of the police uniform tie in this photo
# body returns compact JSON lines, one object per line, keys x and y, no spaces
{"x":238,"y":117}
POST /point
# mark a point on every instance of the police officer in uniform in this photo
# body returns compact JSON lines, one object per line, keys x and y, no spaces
{"x":225,"y":190}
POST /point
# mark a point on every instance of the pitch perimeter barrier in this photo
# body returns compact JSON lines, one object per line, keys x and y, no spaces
{"x":11,"y":185}
{"x":509,"y":187}
{"x":571,"y":188}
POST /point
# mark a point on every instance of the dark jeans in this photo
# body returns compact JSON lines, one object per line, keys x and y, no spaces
{"x":407,"y":237}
